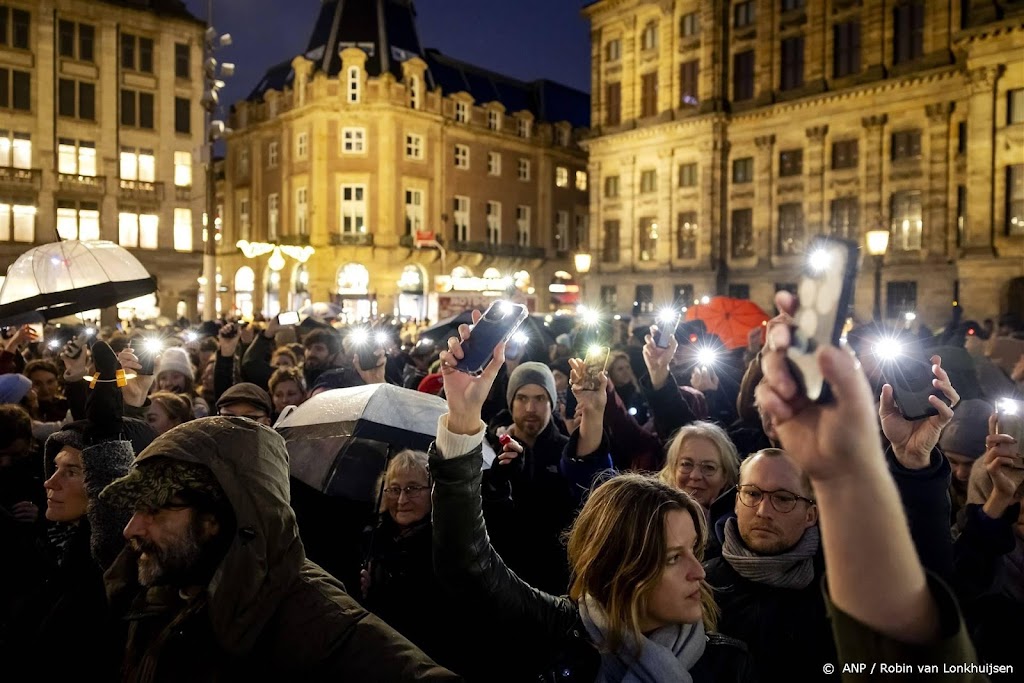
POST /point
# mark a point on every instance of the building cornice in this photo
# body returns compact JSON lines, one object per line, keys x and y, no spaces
{"x":985,"y":31}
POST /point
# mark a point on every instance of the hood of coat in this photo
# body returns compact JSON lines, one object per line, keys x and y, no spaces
{"x":250,"y":462}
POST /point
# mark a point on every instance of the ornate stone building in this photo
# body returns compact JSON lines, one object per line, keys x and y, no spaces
{"x":726,"y":133}
{"x":99,"y":124}
{"x":368,"y":145}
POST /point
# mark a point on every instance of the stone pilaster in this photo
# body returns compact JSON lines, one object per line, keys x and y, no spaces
{"x":981,"y":112}
{"x":873,"y":152}
{"x":936,"y":210}
{"x":814,"y":179}
{"x":764,"y":197}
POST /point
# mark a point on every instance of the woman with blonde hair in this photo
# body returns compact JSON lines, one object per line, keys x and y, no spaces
{"x":702,"y":461}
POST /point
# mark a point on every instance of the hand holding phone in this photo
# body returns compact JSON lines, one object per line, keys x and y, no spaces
{"x":668,"y":321}
{"x":1010,"y":420}
{"x":497,"y":325}
{"x":594,"y":364}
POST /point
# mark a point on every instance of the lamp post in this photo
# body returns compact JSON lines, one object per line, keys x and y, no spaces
{"x":582,"y":260}
{"x":878,"y":243}
{"x":215,"y":130}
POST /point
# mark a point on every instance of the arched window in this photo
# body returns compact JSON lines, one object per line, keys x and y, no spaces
{"x":649,"y":37}
{"x":245,"y":284}
{"x":353,"y":278}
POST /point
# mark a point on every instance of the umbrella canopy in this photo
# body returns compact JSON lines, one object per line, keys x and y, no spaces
{"x":62,"y":278}
{"x":731,"y":319}
{"x":339,"y":440}
{"x":323,"y":310}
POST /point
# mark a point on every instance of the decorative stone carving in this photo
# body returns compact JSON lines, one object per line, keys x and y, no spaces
{"x":817,"y":133}
{"x":938,"y":112}
{"x":764,"y":141}
{"x":874,"y":121}
{"x":983,"y":78}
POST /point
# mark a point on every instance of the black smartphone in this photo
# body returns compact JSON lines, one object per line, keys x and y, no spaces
{"x":910,"y":375}
{"x":825,"y":291}
{"x":668,"y":321}
{"x":498,"y":323}
{"x":146,"y":350}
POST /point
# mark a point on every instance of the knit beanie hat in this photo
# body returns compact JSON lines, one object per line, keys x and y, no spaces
{"x":966,"y":432}
{"x":531,"y":373}
{"x":155,"y":481}
{"x":14,"y":387}
{"x":175,"y":359}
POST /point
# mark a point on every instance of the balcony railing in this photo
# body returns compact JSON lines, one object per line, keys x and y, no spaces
{"x":21,"y":178}
{"x":294,"y":240}
{"x":351,"y":239}
{"x":507,"y":250}
{"x":83,"y":184}
{"x":141,"y":190}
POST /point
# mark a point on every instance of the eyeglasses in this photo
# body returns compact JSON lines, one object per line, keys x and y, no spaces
{"x":782,"y":500}
{"x":254,"y":416}
{"x":411,"y":491}
{"x":707,"y":468}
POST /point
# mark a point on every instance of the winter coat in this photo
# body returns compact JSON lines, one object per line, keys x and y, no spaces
{"x":268,"y":613}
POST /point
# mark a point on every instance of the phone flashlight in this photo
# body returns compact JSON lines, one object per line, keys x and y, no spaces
{"x":53,"y":344}
{"x":191,"y":336}
{"x":1007,"y":406}
{"x":360,"y":335}
{"x":666,"y":315}
{"x":381,"y":338}
{"x":594,"y":350}
{"x":707,"y":357}
{"x":819,"y":260}
{"x":90,"y":331}
{"x":153,"y":346}
{"x":591,"y":317}
{"x":888,"y":349}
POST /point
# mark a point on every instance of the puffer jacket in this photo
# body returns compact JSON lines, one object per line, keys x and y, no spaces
{"x":555,"y":644}
{"x":268,"y":613}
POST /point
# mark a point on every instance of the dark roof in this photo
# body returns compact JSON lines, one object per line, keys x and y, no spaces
{"x":386,"y":31}
{"x":174,"y":8}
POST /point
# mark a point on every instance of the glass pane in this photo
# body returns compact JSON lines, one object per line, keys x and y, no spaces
{"x":128,"y":229}
{"x":148,"y":231}
{"x":183,"y":230}
{"x":24,"y":223}
{"x":67,"y":223}
{"x":87,"y":161}
{"x":89,"y":224}
{"x":5,"y":222}
{"x":129,"y":166}
{"x":147,"y":167}
{"x":22,"y":153}
{"x":67,"y":158}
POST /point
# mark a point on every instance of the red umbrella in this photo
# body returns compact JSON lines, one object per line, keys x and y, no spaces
{"x":729,"y":318}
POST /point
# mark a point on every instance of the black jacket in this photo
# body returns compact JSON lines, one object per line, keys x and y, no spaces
{"x":553,"y":643}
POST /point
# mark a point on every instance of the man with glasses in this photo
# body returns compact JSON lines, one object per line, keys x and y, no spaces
{"x":246,"y":400}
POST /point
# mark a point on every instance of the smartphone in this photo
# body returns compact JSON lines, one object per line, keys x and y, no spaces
{"x":825,"y":291}
{"x":666,"y":330}
{"x":498,"y":323}
{"x":288,"y":318}
{"x":146,"y":351}
{"x":367,"y":349}
{"x":911,"y":378}
{"x":1010,"y":420}
{"x":38,"y":329}
{"x":595,"y":363}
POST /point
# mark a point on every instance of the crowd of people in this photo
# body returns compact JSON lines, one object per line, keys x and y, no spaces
{"x":685,"y":515}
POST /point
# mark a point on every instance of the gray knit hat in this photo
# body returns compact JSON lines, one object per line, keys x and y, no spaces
{"x":965,"y":434}
{"x":531,"y":373}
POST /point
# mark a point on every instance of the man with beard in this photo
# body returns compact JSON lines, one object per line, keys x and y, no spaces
{"x":963,"y":442}
{"x":215,"y":583}
{"x":322,"y":352}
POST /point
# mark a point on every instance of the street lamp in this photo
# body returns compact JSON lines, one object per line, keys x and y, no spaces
{"x":878,"y":243}
{"x":582,"y":261}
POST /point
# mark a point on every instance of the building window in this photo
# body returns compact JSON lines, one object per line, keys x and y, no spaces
{"x":523,"y":226}
{"x":182,"y":61}
{"x":494,"y":163}
{"x":743,"y":76}
{"x":649,"y":36}
{"x":905,"y":210}
{"x":243,"y":161}
{"x":906,"y":144}
{"x":413,"y":211}
{"x":791,"y":228}
{"x":1015,"y":199}
{"x":414,"y":146}
{"x":493,"y":120}
{"x":523,"y":170}
{"x":791,"y":162}
{"x":414,"y":92}
{"x":961,"y":215}
{"x":183,"y":115}
{"x":845,"y":49}
{"x":743,"y":170}
{"x":908,"y":32}
{"x":461,"y":112}
{"x":648,"y":239}
{"x":961,"y":137}
{"x":610,"y":242}
{"x":688,"y":83}
{"x":243,"y":219}
{"x":301,"y":211}
{"x":738,"y":291}
{"x":15,"y":27}
{"x":78,"y":220}
{"x":686,"y":235}
{"x":792,"y":63}
{"x":75,"y":157}
{"x":183,"y":230}
{"x":494,"y":222}
{"x":844,"y":221}
{"x":844,"y":154}
{"x":183,"y":169}
{"x":17,"y":222}
{"x":273,"y":215}
{"x":682,"y":295}
{"x":648,"y":181}
{"x":15,"y":150}
{"x":76,"y":99}
{"x":562,"y":136}
{"x":562,"y":230}
{"x":524,"y":128}
{"x":462,"y":156}
{"x":1015,"y":106}
{"x":742,"y":233}
{"x":790,"y":5}
{"x":302,"y":146}
{"x":611,"y":187}
{"x":900,"y":299}
{"x":609,"y":297}
{"x":613,"y":104}
{"x":689,"y":25}
{"x":582,"y":230}
{"x":461,"y":217}
{"x":354,"y":84}
{"x":136,"y":53}
{"x":138,"y":165}
{"x":353,"y":209}
{"x":643,"y":299}
{"x":649,"y":94}
{"x":561,"y":176}
{"x":137,"y":109}
{"x":353,"y":141}
{"x":613,"y":50}
{"x":581,"y":181}
{"x":137,"y":230}
{"x":688,"y":175}
{"x":743,"y":14}
{"x":82,"y":49}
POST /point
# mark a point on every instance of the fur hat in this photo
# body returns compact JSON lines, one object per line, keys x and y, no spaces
{"x":156,"y":480}
{"x":175,"y":359}
{"x":531,"y":373}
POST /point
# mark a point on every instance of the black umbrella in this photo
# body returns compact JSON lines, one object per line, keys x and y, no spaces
{"x":62,"y":278}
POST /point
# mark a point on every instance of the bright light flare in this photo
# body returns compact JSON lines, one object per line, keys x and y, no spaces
{"x":360,"y":335}
{"x":667,"y":315}
{"x":594,"y":350}
{"x":153,"y":345}
{"x":191,"y":336}
{"x":591,"y":317}
{"x":381,"y":338}
{"x":707,"y":356}
{"x":888,"y":349}
{"x":1007,"y":406}
{"x":520,"y":338}
{"x":819,"y":260}
{"x":90,"y":332}
{"x":910,"y":316}
{"x":53,"y":344}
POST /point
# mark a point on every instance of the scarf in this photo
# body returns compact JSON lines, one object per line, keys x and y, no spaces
{"x":667,"y":654}
{"x":59,"y":536}
{"x":792,"y":569}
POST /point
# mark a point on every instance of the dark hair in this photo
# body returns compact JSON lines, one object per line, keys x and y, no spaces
{"x":15,"y":423}
{"x":326,"y":337}
{"x":41,"y":364}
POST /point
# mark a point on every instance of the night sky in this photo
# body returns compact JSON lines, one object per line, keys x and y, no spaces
{"x":526,"y":39}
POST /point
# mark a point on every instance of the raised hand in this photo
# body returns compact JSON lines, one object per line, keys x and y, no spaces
{"x":1002,"y":453}
{"x":227,"y":339}
{"x":466,"y":394}
{"x":913,"y":440}
{"x":590,"y":401}
{"x":704,"y":378}
{"x":75,"y":356}
{"x":25,"y":335}
{"x":137,"y":389}
{"x":374,"y":375}
{"x":658,"y":359}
